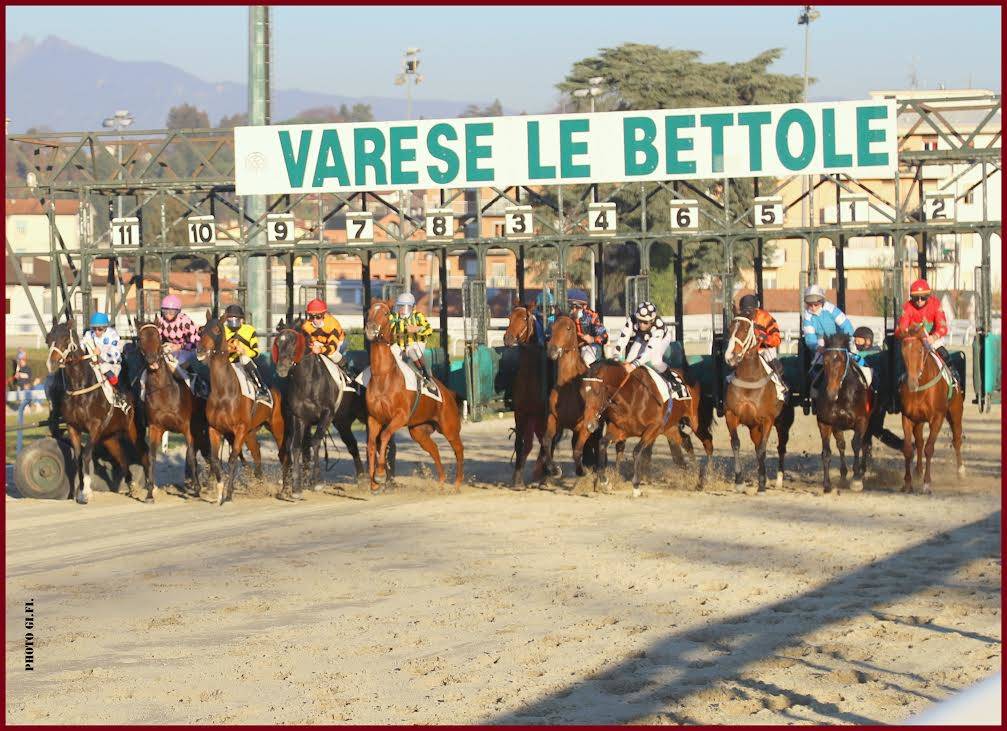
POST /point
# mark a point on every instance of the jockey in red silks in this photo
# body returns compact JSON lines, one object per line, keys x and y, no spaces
{"x":924,"y":308}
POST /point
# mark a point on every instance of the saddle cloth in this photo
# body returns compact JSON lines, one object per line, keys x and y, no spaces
{"x":664,"y":388}
{"x":116,"y":399}
{"x":781,"y":389}
{"x":944,"y":368}
{"x":248,"y":388}
{"x":338,"y":375}
{"x":411,"y":379}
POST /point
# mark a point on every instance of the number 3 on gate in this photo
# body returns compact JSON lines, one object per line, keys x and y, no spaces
{"x":685,"y":214}
{"x":359,"y":227}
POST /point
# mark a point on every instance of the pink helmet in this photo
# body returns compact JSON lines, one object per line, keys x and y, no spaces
{"x":171,"y":302}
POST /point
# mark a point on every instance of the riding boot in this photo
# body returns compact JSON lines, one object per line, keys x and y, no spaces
{"x":946,"y":357}
{"x":253,"y":373}
{"x":425,"y":374}
{"x":777,"y":367}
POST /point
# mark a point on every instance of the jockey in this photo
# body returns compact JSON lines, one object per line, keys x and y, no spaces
{"x":103,"y":342}
{"x":767,"y":334}
{"x":644,"y":340}
{"x":545,"y":315}
{"x":323,"y":331}
{"x":178,"y":333}
{"x":411,"y":330}
{"x":590,"y":330}
{"x":923,"y":307}
{"x":863,"y":338}
{"x":241,"y":336}
{"x":822,"y":319}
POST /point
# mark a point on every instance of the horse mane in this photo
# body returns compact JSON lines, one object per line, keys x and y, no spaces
{"x":838,"y":340}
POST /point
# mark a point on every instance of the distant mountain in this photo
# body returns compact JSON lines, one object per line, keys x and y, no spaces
{"x":68,"y":88}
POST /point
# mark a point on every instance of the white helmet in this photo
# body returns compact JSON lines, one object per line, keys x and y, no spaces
{"x":814,"y":293}
{"x":405,"y":301}
{"x":646,"y":312}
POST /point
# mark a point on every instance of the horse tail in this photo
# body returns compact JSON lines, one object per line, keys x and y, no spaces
{"x":890,"y":439}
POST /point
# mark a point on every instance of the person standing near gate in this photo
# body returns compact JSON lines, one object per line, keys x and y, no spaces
{"x":411,"y":330}
{"x":179,"y":334}
{"x":323,"y":331}
{"x":22,"y":377}
{"x":767,"y":334}
{"x":924,"y":308}
{"x":243,"y":346}
{"x":590,"y":330}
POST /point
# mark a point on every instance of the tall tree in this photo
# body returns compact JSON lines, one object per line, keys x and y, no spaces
{"x":490,"y":110}
{"x":186,"y":116}
{"x":234,"y":120}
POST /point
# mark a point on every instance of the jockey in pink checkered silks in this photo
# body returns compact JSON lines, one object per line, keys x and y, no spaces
{"x":178,"y":333}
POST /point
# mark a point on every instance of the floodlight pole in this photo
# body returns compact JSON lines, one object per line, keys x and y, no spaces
{"x":255,"y":206}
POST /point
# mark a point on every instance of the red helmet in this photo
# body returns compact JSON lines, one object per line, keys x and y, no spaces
{"x":919,"y":287}
{"x":317,"y":307}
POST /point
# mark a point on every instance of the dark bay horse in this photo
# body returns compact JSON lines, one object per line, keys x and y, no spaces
{"x":751,"y":401}
{"x":86,"y":410}
{"x":390,"y":406}
{"x":566,"y":405}
{"x":926,"y":399}
{"x":313,"y":402}
{"x":629,"y":402}
{"x":170,"y":406}
{"x":234,"y":417}
{"x":530,"y":406}
{"x":844,"y":402}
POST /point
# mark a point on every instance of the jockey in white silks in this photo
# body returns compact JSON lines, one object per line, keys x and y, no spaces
{"x":644,"y":340}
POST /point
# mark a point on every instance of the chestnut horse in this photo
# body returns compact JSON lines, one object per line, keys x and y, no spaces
{"x":530,"y":411}
{"x":751,"y":401}
{"x":233,"y":416}
{"x":170,"y":406}
{"x":566,"y":406}
{"x":844,"y":402}
{"x":628,"y":401}
{"x":85,"y":409}
{"x":390,"y":406}
{"x":926,"y":399}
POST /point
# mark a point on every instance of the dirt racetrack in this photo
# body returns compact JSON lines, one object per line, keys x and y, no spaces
{"x":505,"y":607}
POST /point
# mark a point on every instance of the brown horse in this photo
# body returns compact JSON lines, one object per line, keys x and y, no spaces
{"x":926,"y":399}
{"x":170,"y":406}
{"x":85,"y":409}
{"x":390,"y":406}
{"x":232,"y":416}
{"x":566,"y":406}
{"x":751,"y":401}
{"x":628,"y":400}
{"x":843,"y":402}
{"x":530,"y":410}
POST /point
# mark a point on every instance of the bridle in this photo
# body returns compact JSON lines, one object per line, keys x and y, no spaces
{"x":846,"y":353}
{"x":529,"y":328}
{"x":923,"y":365}
{"x":746,"y":343}
{"x":64,"y":360}
{"x":374,"y":308}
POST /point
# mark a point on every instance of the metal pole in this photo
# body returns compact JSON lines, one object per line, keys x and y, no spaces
{"x":258,"y":114}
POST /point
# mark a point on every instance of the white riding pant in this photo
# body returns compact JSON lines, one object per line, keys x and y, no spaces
{"x":587,"y":352}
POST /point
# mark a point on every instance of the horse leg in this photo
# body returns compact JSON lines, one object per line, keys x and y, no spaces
{"x":520,"y":436}
{"x":545,"y":463}
{"x":954,"y":417}
{"x":78,"y":453}
{"x":216,"y":440}
{"x":600,"y":477}
{"x":920,"y":444}
{"x":240,"y":434}
{"x":154,"y":433}
{"x":675,"y":444}
{"x":907,"y":452}
{"x":859,"y":464}
{"x":387,"y":432}
{"x":641,"y":458}
{"x":190,"y":456}
{"x":760,"y":439}
{"x":114,"y":448}
{"x":346,"y":434}
{"x":321,"y":433}
{"x":826,"y":431}
{"x":841,"y":446}
{"x":935,"y":430}
{"x":421,"y":435}
{"x":732,"y":427}
{"x":296,"y":438}
{"x":373,"y":429}
{"x":783,"y":423}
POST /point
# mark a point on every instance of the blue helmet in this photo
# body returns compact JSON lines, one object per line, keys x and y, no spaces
{"x":99,"y":319}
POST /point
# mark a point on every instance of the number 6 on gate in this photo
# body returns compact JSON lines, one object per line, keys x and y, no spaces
{"x":685,"y":214}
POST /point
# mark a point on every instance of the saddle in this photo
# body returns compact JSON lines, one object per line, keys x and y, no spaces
{"x":671,"y":388}
{"x":410,"y":374}
{"x":248,"y":388}
{"x":339,"y":375}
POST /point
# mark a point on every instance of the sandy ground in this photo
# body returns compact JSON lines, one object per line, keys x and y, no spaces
{"x":504,"y":607}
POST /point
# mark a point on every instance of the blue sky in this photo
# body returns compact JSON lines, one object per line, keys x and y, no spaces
{"x":519,"y":53}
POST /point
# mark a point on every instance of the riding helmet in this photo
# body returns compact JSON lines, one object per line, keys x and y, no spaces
{"x":646,"y":312}
{"x":748,"y":303}
{"x":171,"y":302}
{"x":99,"y":319}
{"x":316,"y":307}
{"x":814,"y":293}
{"x":234,"y":311}
{"x":919,"y":288}
{"x":405,"y":299}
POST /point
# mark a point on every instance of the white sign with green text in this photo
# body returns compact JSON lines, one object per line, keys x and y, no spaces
{"x":774,"y":140}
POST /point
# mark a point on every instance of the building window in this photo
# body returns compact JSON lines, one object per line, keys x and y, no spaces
{"x":969,"y":197}
{"x":930,"y":142}
{"x":7,"y":307}
{"x":499,"y":270}
{"x":499,"y":230}
{"x":835,"y":283}
{"x":769,"y":281}
{"x":22,"y":227}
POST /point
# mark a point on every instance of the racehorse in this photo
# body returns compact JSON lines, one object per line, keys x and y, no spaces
{"x":844,"y":401}
{"x":529,"y":392}
{"x":169,"y":405}
{"x":566,"y":406}
{"x":926,"y":399}
{"x":313,"y":402}
{"x":85,"y":409}
{"x":390,"y":406}
{"x":751,"y":401}
{"x":628,"y":400}
{"x":233,"y":416}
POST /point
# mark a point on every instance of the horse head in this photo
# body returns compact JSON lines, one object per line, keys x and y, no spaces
{"x":741,"y":342}
{"x":288,"y":349}
{"x":563,"y":338}
{"x":521,"y":327}
{"x":211,"y":339}
{"x":835,"y":363}
{"x":914,"y":351}
{"x":595,"y":393}
{"x":378,"y":326}
{"x":149,"y":341}
{"x":62,"y":340}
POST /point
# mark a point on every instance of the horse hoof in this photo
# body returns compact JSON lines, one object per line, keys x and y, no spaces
{"x":779,"y":481}
{"x":925,"y":490}
{"x":857,"y":485}
{"x":961,"y":472}
{"x":637,"y":492}
{"x":220,"y":493}
{"x":751,"y":490}
{"x":556,"y":472}
{"x":83,"y":497}
{"x":299,"y":495}
{"x":739,"y":487}
{"x":149,"y":500}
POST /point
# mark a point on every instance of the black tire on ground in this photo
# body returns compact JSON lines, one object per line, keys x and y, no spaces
{"x":42,"y":470}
